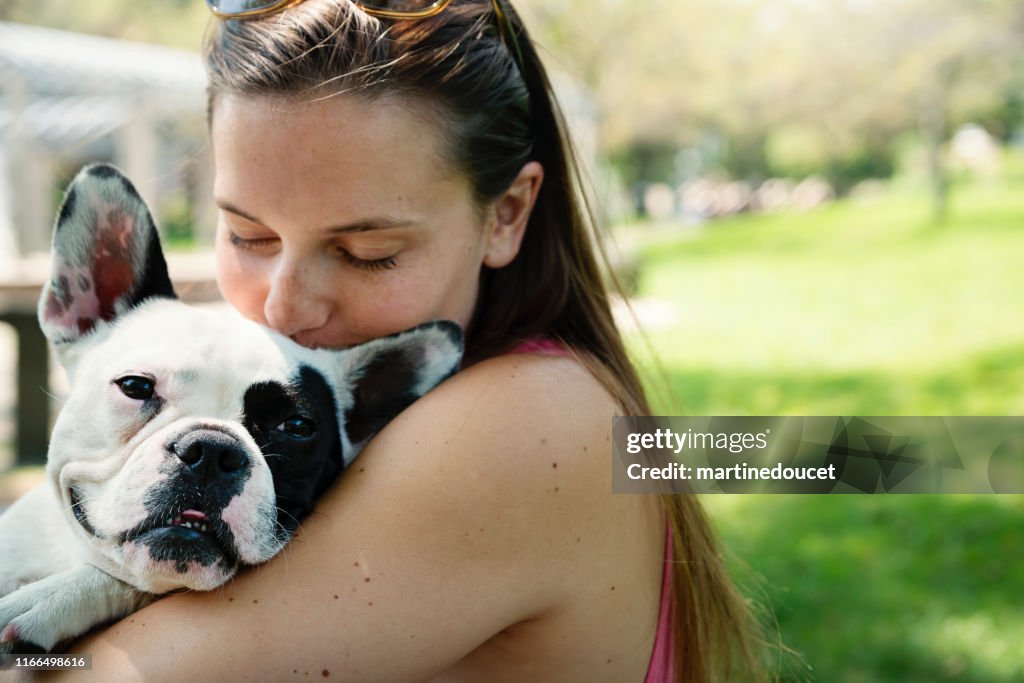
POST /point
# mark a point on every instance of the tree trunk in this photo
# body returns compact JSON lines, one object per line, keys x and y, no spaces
{"x":934,"y":122}
{"x":937,"y":172}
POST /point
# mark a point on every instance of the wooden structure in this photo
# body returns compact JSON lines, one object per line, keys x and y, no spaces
{"x":68,"y":99}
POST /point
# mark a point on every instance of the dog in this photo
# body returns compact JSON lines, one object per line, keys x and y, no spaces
{"x":192,"y":442}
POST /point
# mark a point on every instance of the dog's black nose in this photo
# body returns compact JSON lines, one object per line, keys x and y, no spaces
{"x":211,"y":454}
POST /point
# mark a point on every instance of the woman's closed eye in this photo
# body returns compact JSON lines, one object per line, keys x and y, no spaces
{"x":250,"y":242}
{"x":384,"y":263}
{"x":373,"y":264}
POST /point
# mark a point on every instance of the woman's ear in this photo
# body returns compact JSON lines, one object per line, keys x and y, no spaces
{"x":511,"y":214}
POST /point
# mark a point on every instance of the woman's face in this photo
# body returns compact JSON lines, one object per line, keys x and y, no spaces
{"x":338,"y":220}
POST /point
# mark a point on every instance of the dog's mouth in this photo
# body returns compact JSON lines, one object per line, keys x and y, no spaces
{"x":185,"y":536}
{"x":188,"y":520}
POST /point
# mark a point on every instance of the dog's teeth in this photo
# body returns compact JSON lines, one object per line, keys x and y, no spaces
{"x":188,"y":524}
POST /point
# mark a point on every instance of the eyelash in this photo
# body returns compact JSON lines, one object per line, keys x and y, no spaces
{"x":243,"y":243}
{"x":386,"y":263}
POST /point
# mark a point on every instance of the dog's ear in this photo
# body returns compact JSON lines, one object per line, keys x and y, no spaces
{"x":381,"y":378}
{"x":106,"y":257}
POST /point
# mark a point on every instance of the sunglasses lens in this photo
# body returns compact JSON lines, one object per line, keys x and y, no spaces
{"x":400,"y":6}
{"x":233,"y":7}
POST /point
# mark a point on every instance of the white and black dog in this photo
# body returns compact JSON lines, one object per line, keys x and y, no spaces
{"x":192,"y":442}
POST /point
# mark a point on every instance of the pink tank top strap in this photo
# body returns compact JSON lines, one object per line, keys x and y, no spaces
{"x":543,"y":345}
{"x":661,"y":668}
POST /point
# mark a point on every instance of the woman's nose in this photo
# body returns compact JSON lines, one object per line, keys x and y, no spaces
{"x":296,"y":302}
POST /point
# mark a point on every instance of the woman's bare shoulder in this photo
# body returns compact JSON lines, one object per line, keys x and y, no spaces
{"x":539,"y":403}
{"x":529,"y":451}
{"x":526,"y":433}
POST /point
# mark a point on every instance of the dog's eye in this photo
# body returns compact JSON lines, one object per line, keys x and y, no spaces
{"x":136,"y":387}
{"x":298,"y":426}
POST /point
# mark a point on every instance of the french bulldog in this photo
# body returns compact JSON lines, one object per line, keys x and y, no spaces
{"x":192,"y":442}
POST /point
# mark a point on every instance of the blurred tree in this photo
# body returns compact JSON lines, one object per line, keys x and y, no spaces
{"x":636,"y":57}
{"x":175,"y":23}
{"x":856,"y":74}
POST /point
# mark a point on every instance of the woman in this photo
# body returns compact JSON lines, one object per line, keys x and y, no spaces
{"x":373,"y":173}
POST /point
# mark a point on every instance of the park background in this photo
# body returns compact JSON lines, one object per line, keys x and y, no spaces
{"x":817,"y":208}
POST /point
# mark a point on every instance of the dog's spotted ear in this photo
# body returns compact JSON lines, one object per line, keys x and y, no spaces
{"x":106,"y":256}
{"x":381,"y":378}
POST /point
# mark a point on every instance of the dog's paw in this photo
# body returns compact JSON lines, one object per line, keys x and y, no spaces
{"x":21,"y":647}
{"x":50,"y":611}
{"x":29,"y":621}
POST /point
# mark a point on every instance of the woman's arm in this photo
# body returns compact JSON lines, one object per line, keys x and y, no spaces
{"x":466,"y":515}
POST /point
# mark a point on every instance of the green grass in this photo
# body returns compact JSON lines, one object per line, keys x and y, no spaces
{"x":861,"y":309}
{"x":913,"y":589}
{"x":847,"y":309}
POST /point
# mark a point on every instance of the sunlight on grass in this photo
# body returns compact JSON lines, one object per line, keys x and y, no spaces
{"x":852,"y":306}
{"x":844,"y":304}
{"x":980,"y":646}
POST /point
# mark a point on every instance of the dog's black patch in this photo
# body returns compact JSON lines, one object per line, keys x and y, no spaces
{"x":129,"y":189}
{"x":103,"y":171}
{"x":302,"y":467}
{"x":155,"y":281}
{"x":67,"y":208}
{"x":384,"y":390}
{"x":390,"y":382}
{"x":183,"y":546}
{"x":79,"y":512}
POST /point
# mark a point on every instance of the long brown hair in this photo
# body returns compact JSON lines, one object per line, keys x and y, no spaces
{"x":496,"y":106}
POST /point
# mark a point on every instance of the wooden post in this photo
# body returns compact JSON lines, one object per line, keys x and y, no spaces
{"x":136,"y":151}
{"x":32,"y":421}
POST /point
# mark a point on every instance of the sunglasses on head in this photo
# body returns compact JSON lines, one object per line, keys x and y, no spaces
{"x":391,"y":9}
{"x":388,"y":9}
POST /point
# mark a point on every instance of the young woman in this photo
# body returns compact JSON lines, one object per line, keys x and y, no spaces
{"x":378,"y":165}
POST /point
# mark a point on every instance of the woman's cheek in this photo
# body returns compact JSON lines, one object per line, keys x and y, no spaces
{"x":377,"y":316}
{"x":241,"y":286}
{"x":403,"y":304}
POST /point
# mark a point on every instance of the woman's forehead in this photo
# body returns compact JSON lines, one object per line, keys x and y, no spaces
{"x":340,"y":125}
{"x":369,"y":149}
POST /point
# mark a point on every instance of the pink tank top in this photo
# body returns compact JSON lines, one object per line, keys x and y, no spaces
{"x":661,"y":667}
